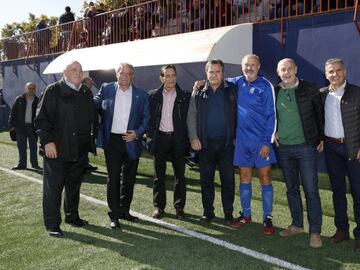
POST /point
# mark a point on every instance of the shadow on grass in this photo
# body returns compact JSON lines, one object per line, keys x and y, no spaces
{"x":148,"y":245}
{"x":153,"y":247}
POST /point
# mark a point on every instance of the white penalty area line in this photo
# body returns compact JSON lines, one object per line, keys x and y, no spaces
{"x":201,"y":236}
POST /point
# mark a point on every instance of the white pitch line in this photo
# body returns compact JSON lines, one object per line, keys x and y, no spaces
{"x":213,"y":240}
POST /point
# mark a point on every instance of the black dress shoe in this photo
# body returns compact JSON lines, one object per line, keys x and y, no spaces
{"x":357,"y":246}
{"x":128,"y":217}
{"x":56,"y":232}
{"x":207,"y":218}
{"x":180,"y":214}
{"x":114,"y":224}
{"x":229,"y":219}
{"x":89,"y":169}
{"x":77,"y":222}
{"x":339,"y":236}
{"x":36,"y":167}
{"x":18,"y":168}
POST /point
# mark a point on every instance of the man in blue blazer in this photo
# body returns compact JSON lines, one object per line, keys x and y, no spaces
{"x":124,"y":119}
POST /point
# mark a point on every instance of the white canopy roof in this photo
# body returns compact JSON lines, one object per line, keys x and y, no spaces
{"x":229,"y":44}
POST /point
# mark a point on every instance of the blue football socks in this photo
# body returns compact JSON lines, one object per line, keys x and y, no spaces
{"x":267,"y":199}
{"x":245,"y":198}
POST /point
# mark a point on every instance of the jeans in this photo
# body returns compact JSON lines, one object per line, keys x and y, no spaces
{"x":217,"y":153}
{"x":298,"y":163}
{"x":27,"y":133}
{"x":339,"y":166}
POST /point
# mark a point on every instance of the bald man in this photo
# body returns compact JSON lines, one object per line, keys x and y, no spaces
{"x":65,"y":121}
{"x":299,"y":134}
{"x":22,"y":121}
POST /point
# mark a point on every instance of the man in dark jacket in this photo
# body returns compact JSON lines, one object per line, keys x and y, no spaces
{"x":168,"y":133}
{"x":66,"y":27}
{"x":299,"y":137}
{"x":22,"y":121}
{"x":65,"y":122}
{"x":67,"y":16}
{"x":211,"y":124}
{"x":341,"y":101}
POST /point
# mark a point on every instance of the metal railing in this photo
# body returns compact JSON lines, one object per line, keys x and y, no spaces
{"x":156,"y":18}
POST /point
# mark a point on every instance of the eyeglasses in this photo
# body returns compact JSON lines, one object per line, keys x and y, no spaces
{"x":287,"y":93}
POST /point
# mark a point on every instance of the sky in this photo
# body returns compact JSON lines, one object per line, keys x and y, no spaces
{"x":18,"y":10}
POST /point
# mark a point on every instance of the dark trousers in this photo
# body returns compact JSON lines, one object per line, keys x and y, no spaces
{"x":217,"y":153}
{"x":57,"y":176}
{"x":165,"y":148}
{"x":121,"y":176}
{"x":339,"y":166}
{"x":22,"y":135}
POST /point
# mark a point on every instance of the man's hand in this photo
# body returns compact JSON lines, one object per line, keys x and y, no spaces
{"x":320,"y":147}
{"x":276,"y":139}
{"x":196,"y":144}
{"x":12,"y":128}
{"x":358,"y":155}
{"x":50,"y":150}
{"x":130,"y":136}
{"x":198,"y":85}
{"x":264,"y":151}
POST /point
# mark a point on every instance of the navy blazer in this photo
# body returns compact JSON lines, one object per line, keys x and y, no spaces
{"x":138,"y":119}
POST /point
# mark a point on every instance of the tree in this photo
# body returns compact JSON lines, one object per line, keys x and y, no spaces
{"x":14,"y":29}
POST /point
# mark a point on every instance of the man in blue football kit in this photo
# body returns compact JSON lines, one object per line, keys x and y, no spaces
{"x":256,"y":125}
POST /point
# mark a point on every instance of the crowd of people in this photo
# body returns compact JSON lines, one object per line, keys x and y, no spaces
{"x":231,"y":122}
{"x":101,"y":25}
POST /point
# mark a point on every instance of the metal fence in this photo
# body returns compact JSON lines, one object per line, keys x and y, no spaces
{"x":156,"y":18}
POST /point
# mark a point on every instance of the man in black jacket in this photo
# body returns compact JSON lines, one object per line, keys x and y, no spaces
{"x":168,"y":134}
{"x":341,"y":101}
{"x":299,"y":137}
{"x":211,"y":124}
{"x":65,"y":121}
{"x":22,"y":121}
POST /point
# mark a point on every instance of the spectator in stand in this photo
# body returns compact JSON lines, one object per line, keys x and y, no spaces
{"x":65,"y":27}
{"x":42,"y":37}
{"x":220,"y":13}
{"x":91,"y":4}
{"x":22,"y":120}
{"x":67,"y":17}
{"x":196,"y":16}
{"x":93,"y":27}
{"x":101,"y":8}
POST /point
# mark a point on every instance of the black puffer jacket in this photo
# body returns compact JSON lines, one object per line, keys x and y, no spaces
{"x":311,"y":111}
{"x":17,"y":115}
{"x":350,"y":115}
{"x":56,"y":120}
{"x":180,"y":110}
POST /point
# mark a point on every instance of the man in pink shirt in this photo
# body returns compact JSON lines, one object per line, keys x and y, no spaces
{"x":168,"y":139}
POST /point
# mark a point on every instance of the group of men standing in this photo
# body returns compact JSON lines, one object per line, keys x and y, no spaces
{"x":230,"y":122}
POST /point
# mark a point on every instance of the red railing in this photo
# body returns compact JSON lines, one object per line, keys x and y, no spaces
{"x":156,"y":18}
